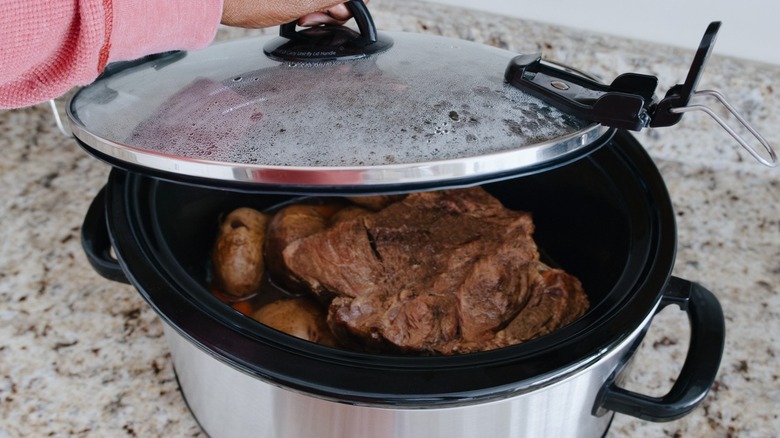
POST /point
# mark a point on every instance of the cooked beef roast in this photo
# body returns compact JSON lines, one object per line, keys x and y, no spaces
{"x":435,"y":273}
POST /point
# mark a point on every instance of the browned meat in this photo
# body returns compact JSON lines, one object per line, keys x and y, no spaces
{"x":556,"y":300}
{"x":438,"y":272}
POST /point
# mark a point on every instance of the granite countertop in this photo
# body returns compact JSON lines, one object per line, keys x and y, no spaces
{"x":83,"y":356}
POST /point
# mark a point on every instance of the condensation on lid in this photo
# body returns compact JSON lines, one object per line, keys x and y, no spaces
{"x":426,"y":99}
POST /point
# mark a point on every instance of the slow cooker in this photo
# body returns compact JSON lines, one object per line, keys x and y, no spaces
{"x":333,"y":111}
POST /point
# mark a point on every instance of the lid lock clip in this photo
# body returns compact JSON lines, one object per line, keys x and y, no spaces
{"x":629,"y":102}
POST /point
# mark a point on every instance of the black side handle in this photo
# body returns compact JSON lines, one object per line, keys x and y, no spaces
{"x":96,"y":242}
{"x":708,"y":333}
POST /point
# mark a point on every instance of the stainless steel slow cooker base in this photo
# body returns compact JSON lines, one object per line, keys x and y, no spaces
{"x":257,"y":408}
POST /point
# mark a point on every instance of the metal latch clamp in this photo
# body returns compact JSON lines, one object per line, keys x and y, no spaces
{"x":629,"y":102}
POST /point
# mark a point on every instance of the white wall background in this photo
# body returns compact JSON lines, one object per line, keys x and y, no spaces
{"x":750,"y":29}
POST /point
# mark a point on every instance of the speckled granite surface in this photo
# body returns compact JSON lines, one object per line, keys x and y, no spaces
{"x":82,"y":356}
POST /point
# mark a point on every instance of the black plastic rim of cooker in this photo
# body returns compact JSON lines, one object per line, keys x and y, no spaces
{"x":619,"y":182}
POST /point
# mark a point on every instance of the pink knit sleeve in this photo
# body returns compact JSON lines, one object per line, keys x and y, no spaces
{"x":49,"y":46}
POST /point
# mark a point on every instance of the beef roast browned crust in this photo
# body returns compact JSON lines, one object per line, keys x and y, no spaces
{"x":436,"y":273}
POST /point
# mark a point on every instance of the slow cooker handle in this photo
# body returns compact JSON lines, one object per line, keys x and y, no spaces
{"x":96,"y":242}
{"x":701,"y":365}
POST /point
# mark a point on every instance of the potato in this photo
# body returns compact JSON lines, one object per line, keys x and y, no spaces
{"x":237,"y":258}
{"x":288,"y":225}
{"x":299,"y":317}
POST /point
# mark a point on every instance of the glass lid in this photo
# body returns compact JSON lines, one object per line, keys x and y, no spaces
{"x":416,"y":109}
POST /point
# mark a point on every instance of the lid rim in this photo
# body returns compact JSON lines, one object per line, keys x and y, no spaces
{"x":463,"y":168}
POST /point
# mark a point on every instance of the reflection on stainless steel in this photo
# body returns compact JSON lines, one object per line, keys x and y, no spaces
{"x":229,"y":403}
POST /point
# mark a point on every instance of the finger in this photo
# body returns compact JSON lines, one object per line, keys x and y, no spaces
{"x":340,"y":12}
{"x":266,"y":13}
{"x":319,"y":18}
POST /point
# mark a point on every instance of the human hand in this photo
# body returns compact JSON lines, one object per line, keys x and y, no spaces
{"x":267,"y":13}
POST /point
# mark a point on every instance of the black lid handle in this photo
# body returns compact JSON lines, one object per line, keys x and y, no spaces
{"x":329,"y":43}
{"x":359,"y":12}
